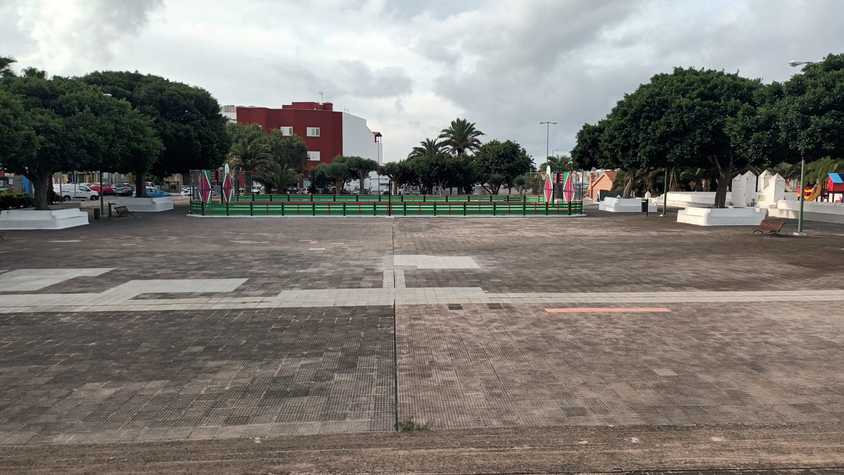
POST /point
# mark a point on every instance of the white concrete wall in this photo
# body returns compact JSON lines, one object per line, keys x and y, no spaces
{"x":358,"y":139}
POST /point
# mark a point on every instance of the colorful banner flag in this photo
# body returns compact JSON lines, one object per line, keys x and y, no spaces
{"x":568,"y":187}
{"x":204,"y":187}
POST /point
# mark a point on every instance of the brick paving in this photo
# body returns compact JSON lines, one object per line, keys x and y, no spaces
{"x":292,"y":332}
{"x":500,"y":366}
{"x":150,"y":376}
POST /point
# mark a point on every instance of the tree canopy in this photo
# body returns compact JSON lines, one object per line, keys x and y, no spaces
{"x":499,"y":163}
{"x":65,"y":124}
{"x":187,"y":118}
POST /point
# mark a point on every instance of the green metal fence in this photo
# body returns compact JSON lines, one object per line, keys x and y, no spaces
{"x":284,"y":198}
{"x":340,"y":206}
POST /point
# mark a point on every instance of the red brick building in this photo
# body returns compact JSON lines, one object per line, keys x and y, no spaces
{"x":327,"y":133}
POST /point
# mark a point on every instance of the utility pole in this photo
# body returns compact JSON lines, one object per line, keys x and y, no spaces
{"x":800,"y":232}
{"x":548,"y":124}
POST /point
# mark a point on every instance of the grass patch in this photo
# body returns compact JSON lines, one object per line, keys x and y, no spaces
{"x":409,"y":425}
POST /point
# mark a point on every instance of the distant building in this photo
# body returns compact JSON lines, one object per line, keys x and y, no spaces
{"x":327,"y":133}
{"x":600,"y":181}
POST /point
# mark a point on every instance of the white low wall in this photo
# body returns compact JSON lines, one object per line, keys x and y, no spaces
{"x":685,"y":199}
{"x":624,"y":205}
{"x":22,"y":219}
{"x":143,"y":205}
{"x":812,"y":211}
{"x":721,"y":216}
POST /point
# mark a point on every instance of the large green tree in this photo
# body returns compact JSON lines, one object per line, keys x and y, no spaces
{"x":400,"y":173}
{"x":811,"y":111}
{"x":359,"y":167}
{"x":461,"y":137}
{"x":69,"y":125}
{"x":499,"y":163}
{"x":680,"y":120}
{"x":287,"y":158}
{"x":6,"y":66}
{"x":187,"y":119}
{"x":586,"y":153}
{"x":336,"y":172}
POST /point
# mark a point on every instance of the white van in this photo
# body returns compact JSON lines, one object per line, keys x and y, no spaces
{"x":75,"y":191}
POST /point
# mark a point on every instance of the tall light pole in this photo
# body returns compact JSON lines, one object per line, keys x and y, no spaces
{"x":799,"y":232}
{"x":548,"y":124}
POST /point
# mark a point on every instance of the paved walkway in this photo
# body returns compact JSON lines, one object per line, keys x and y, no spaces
{"x":164,"y":328}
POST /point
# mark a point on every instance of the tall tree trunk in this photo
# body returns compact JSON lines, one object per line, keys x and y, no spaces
{"x":42,"y":185}
{"x":673,"y":180}
{"x":628,"y":187}
{"x":140,"y":186}
{"x":361,"y":177}
{"x":721,"y":190}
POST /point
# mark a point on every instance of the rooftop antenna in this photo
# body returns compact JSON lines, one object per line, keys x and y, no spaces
{"x":321,"y":97}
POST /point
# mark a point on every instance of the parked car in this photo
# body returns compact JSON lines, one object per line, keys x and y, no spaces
{"x":124,"y":189}
{"x":153,"y":192}
{"x":186,"y":191}
{"x":75,"y":191}
{"x":107,"y":189}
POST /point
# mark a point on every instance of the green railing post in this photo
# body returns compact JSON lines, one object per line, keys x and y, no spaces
{"x":344,"y":209}
{"x":569,"y":208}
{"x":203,"y":208}
{"x":374,"y":209}
{"x":464,"y":209}
{"x":313,"y":209}
{"x":251,"y":212}
{"x":288,"y":197}
{"x":271,"y":196}
{"x":493,"y":209}
{"x":435,"y":208}
{"x":424,"y":198}
{"x":546,"y":208}
{"x":282,"y":209}
{"x":524,"y":208}
{"x":404,"y":208}
{"x":334,"y":198}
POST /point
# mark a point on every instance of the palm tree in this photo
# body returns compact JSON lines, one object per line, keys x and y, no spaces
{"x":461,"y":137}
{"x":426,"y":148}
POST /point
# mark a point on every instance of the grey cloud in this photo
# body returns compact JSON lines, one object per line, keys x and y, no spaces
{"x":572,"y":61}
{"x":355,"y":78}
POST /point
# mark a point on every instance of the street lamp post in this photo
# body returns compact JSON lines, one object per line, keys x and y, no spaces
{"x":548,"y":124}
{"x":800,"y":232}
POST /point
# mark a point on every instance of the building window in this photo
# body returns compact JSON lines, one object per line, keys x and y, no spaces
{"x":286,"y":130}
{"x":312,"y":132}
{"x":313,"y":156}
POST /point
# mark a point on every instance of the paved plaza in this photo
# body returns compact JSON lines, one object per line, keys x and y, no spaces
{"x":166,"y":328}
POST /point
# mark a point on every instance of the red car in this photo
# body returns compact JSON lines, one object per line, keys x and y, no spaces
{"x":107,"y":189}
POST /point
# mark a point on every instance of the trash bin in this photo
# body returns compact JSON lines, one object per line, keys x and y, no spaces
{"x":645,"y":206}
{"x":96,"y":213}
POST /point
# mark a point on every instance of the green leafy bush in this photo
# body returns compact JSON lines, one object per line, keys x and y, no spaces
{"x":9,"y":200}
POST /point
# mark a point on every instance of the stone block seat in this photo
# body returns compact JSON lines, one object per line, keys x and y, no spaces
{"x":22,"y":219}
{"x":721,"y":216}
{"x":624,"y":205}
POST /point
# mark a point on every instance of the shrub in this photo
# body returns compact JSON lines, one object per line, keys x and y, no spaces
{"x":10,"y":200}
{"x":410,"y":425}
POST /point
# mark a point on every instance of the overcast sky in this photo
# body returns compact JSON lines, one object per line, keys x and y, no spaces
{"x":410,"y":66}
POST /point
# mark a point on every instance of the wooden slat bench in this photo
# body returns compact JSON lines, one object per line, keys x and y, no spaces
{"x":770,"y":226}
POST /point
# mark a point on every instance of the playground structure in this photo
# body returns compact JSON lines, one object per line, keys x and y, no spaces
{"x":220,"y":193}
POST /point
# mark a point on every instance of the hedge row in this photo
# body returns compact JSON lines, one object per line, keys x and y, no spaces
{"x":9,"y":200}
